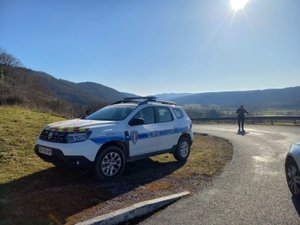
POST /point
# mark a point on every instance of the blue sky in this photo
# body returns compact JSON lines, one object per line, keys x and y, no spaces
{"x":155,"y":46}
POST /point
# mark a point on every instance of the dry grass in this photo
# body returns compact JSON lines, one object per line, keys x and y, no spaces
{"x":34,"y":192}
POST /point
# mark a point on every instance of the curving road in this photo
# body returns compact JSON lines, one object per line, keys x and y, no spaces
{"x":251,"y":190}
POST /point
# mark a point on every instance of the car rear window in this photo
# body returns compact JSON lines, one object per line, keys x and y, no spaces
{"x":178,"y":113}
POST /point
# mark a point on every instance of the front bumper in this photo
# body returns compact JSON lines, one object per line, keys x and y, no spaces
{"x":58,"y":158}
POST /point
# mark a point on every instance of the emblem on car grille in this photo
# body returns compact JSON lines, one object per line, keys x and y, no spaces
{"x":50,"y":134}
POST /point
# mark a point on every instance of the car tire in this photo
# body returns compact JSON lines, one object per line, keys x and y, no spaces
{"x":109,"y":164}
{"x":182,"y":149}
{"x":293,"y":176}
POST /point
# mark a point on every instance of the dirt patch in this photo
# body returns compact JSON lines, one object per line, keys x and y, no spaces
{"x":54,"y":196}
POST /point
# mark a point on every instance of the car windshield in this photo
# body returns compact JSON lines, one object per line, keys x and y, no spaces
{"x":112,"y":113}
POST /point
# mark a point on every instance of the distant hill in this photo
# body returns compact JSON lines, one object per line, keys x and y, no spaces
{"x":129,"y":95}
{"x":170,"y":96}
{"x":99,"y":91}
{"x":44,"y":92}
{"x":286,"y":98}
{"x":41,"y":90}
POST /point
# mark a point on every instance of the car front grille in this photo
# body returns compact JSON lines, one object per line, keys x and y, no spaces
{"x":53,"y":136}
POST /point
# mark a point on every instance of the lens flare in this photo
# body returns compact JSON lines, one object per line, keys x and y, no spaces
{"x":238,"y":4}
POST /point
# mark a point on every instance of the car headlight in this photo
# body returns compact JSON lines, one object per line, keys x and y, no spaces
{"x":77,"y":137}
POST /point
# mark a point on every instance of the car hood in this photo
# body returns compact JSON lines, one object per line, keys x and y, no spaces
{"x":298,"y":143}
{"x":81,"y":123}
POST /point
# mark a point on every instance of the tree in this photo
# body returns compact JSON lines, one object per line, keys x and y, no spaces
{"x":7,"y":62}
{"x":7,"y":83}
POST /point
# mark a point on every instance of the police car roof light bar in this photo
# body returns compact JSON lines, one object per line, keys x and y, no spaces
{"x":144,"y":100}
{"x":148,"y":98}
{"x":136,"y":99}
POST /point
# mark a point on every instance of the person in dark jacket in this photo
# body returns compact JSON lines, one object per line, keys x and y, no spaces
{"x":241,"y":117}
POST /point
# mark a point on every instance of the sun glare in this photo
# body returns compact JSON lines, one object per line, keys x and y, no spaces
{"x":238,"y":4}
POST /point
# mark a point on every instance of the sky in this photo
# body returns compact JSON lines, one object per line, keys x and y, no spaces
{"x":148,"y":47}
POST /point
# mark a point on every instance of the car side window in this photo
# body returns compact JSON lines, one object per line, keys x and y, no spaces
{"x":147,"y":114}
{"x":164,"y":115}
{"x":178,"y":113}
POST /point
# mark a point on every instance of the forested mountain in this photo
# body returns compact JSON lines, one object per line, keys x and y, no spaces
{"x":286,"y":98}
{"x":43,"y":91}
{"x":129,"y":95}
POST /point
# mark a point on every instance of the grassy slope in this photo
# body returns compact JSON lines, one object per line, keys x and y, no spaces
{"x":34,"y":192}
{"x":18,"y":130}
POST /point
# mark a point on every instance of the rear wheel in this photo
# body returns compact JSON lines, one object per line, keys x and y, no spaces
{"x":183,"y":149}
{"x":110,"y":163}
{"x":293,"y":176}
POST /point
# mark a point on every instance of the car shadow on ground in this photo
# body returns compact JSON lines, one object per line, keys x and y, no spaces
{"x":52,"y":195}
{"x":296,"y":202}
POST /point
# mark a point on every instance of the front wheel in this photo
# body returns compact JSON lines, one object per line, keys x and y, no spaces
{"x":109,"y":164}
{"x":183,"y":149}
{"x":293,"y":177}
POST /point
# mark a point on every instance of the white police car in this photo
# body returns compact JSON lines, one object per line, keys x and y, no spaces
{"x":127,"y":130}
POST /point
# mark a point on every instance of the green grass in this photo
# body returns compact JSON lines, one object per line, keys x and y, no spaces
{"x":19,"y":129}
{"x":35,"y":192}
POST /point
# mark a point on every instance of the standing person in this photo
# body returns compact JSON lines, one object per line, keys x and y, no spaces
{"x":241,"y":117}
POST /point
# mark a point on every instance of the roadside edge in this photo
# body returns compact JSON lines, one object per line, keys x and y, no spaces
{"x":134,"y":211}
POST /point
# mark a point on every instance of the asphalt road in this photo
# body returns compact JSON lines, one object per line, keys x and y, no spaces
{"x":251,"y":190}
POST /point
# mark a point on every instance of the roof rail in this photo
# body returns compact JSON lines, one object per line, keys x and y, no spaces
{"x":144,"y":100}
{"x":165,"y":102}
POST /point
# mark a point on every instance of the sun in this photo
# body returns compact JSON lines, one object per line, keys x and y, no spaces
{"x":238,"y":4}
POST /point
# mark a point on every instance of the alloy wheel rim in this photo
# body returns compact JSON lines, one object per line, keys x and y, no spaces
{"x":293,"y":179}
{"x":184,"y":149}
{"x":111,"y":164}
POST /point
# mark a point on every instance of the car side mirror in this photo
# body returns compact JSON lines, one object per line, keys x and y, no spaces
{"x":136,"y":122}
